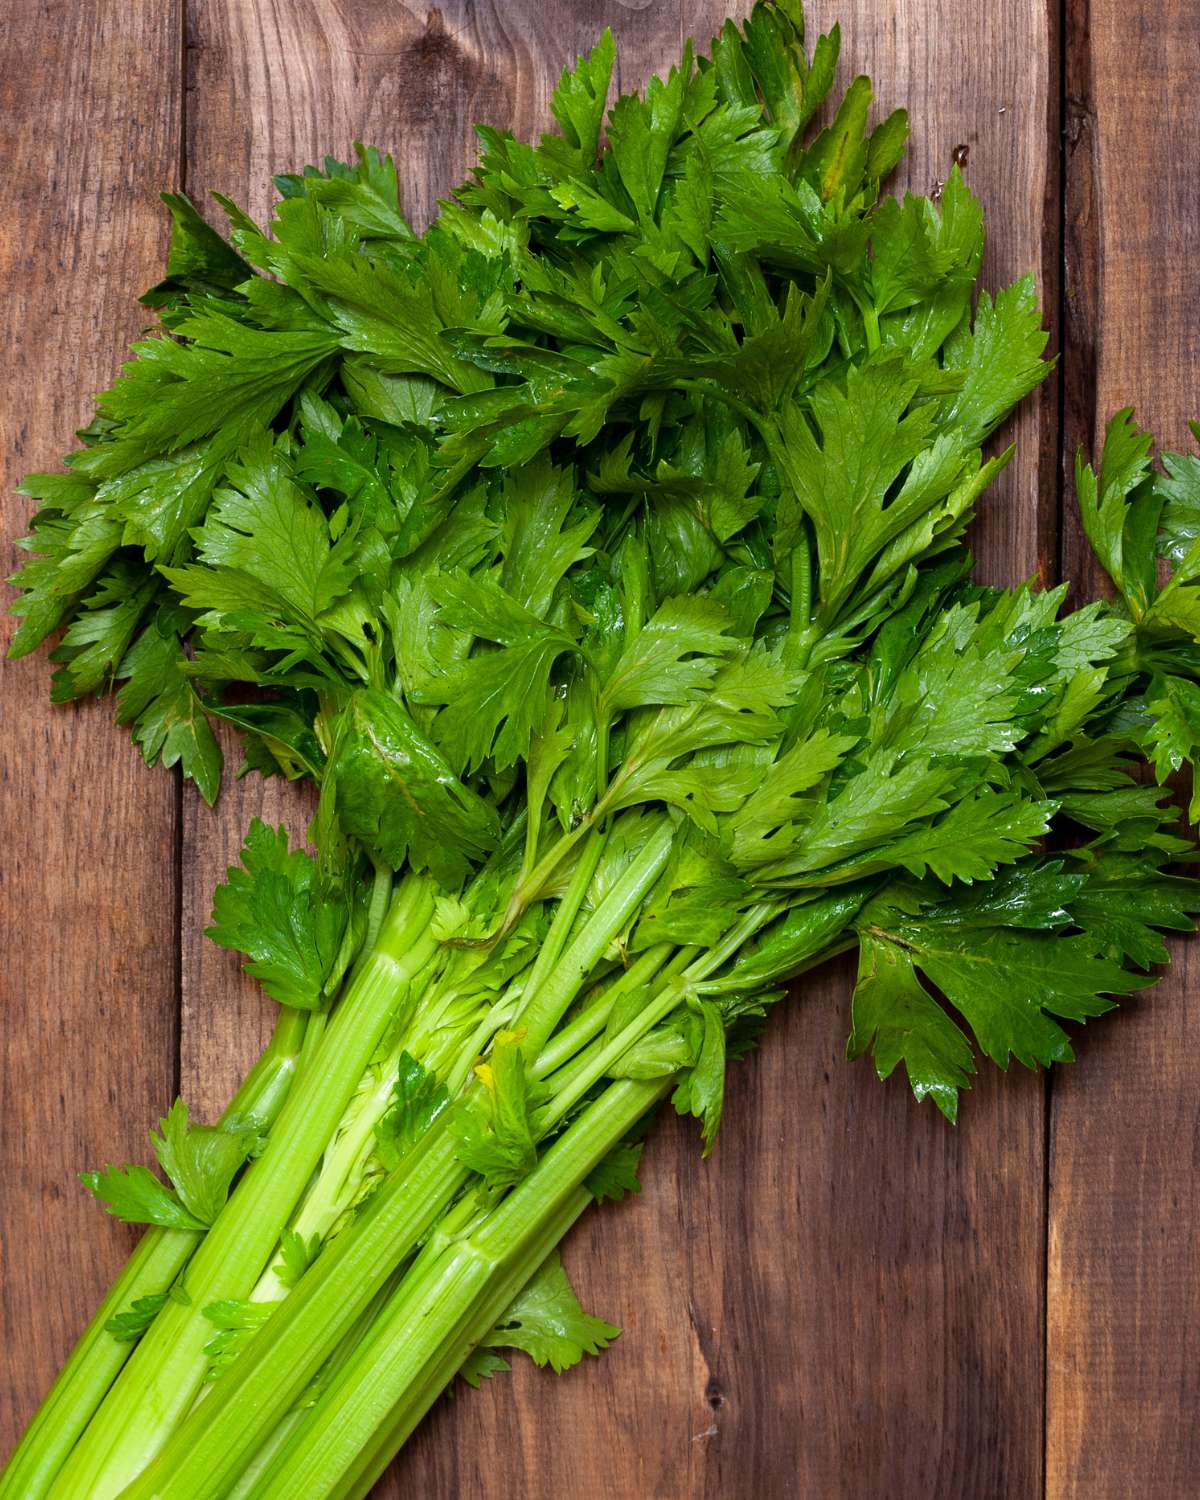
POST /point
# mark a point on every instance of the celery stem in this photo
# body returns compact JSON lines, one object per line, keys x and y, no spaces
{"x":161,"y":1255}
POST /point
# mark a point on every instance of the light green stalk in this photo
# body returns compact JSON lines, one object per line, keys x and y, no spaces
{"x":440,"y":1312}
{"x":161,"y":1255}
{"x":290,"y":1349}
{"x":161,"y":1381}
{"x":210,"y":1450}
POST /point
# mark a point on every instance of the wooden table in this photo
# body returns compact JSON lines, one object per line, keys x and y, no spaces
{"x":851,"y":1300}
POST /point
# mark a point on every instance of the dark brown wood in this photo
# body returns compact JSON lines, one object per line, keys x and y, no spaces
{"x":90,"y":102}
{"x":847,"y":1300}
{"x":849,"y":1292}
{"x":1123,"y":1294}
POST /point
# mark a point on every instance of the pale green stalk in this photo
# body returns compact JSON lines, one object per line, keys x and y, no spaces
{"x":162,"y":1379}
{"x":161,"y":1255}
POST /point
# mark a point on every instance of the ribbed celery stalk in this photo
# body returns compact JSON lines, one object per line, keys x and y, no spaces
{"x":161,"y":1255}
{"x":160,"y":1382}
{"x":208,"y":1451}
{"x":441,"y":1310}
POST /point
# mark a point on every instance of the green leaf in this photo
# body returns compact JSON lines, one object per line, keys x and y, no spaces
{"x":128,"y":1326}
{"x":492,"y":1128}
{"x":1109,"y":508}
{"x":159,"y":501}
{"x":922,"y":250}
{"x":73,"y":536}
{"x":364,"y":193}
{"x":169,"y":721}
{"x":974,"y":837}
{"x":287,"y":737}
{"x":1002,"y":355}
{"x":698,"y":891}
{"x":1037,"y":893}
{"x":544,"y":535}
{"x":843,"y":474}
{"x":761,"y":827}
{"x":1179,"y":490}
{"x":838,"y":156}
{"x":578,"y":101}
{"x":94,"y":644}
{"x":641,"y":133}
{"x":1125,"y":897}
{"x":266,"y":537}
{"x":199,"y":260}
{"x":496,"y":700}
{"x":398,"y":794}
{"x":768,"y":364}
{"x":290,"y":924}
{"x":177,"y":393}
{"x":1173,"y":733}
{"x":202,"y":1160}
{"x":134,"y":1194}
{"x":341,"y":456}
{"x":792,"y":88}
{"x":1008,"y":985}
{"x":616,"y":1175}
{"x":236,"y":1320}
{"x":791,"y":943}
{"x":547,"y":1322}
{"x":701,"y":1090}
{"x":899,"y":1021}
{"x":670,"y":660}
{"x":296,"y":1254}
{"x":389,"y":311}
{"x":481,"y":1365}
{"x":871,"y":810}
{"x":417,"y":1099}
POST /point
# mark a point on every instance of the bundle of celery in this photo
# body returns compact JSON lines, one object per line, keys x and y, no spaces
{"x":598,"y":554}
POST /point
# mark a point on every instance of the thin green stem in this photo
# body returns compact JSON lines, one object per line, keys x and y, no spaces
{"x":870,"y":324}
{"x":573,"y":1082}
{"x":731,"y":983}
{"x":603,"y":730}
{"x":533,"y":882}
{"x":568,"y":909}
{"x":566,"y":1042}
{"x":800,"y":626}
{"x":750,"y":922}
{"x":545,"y":1007}
{"x":381,"y":895}
{"x":578,"y":1077}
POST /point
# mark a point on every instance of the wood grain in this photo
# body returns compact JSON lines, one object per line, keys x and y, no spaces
{"x":881,"y":1327}
{"x":847,"y":1300}
{"x":1123,"y":1294}
{"x":90,"y":106}
{"x":848,"y":1288}
{"x":272,"y":86}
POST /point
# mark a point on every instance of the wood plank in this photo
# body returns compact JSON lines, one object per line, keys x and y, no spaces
{"x":88,"y":917}
{"x":636,"y":1422}
{"x":1123,"y":1295}
{"x":847,"y":1298}
{"x":881,"y":1328}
